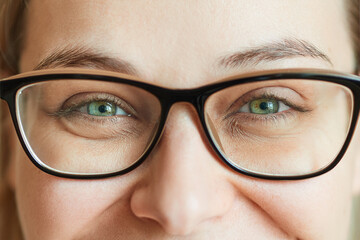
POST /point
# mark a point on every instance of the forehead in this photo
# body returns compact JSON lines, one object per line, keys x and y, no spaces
{"x":185,"y":38}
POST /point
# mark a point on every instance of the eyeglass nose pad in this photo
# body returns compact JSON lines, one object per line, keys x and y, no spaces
{"x":213,"y":132}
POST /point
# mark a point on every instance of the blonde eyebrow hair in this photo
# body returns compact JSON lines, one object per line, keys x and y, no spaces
{"x":284,"y":49}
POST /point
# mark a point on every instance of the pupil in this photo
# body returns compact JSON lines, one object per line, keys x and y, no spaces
{"x":102,"y":108}
{"x":264,"y":106}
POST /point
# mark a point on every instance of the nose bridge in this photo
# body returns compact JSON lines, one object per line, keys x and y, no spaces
{"x":184,"y":103}
{"x":184,"y":106}
{"x":183,"y":177}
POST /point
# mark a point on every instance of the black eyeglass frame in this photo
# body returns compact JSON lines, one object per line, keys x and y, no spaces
{"x":167,"y":97}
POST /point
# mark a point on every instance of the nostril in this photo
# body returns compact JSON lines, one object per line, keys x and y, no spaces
{"x":177,"y":228}
{"x":179,"y":217}
{"x":174,"y":228}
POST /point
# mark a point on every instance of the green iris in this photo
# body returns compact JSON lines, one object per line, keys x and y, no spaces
{"x":264,"y":106}
{"x":101,"y":109}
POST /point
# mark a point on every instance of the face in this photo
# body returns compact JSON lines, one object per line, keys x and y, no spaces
{"x":183,"y":190}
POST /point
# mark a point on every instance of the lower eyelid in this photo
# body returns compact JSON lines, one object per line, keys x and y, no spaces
{"x":91,"y":119}
{"x":247,"y":124}
{"x":239,"y":127}
{"x":244,"y":116}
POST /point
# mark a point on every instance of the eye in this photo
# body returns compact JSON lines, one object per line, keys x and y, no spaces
{"x":264,"y":106}
{"x":102,"y":109}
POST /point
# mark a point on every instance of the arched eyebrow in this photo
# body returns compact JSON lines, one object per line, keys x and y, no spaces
{"x":82,"y":56}
{"x":284,"y":49}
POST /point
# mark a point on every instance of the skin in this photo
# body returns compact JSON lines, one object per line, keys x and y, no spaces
{"x":171,"y":196}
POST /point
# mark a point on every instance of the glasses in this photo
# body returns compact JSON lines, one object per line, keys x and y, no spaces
{"x":285,"y":124}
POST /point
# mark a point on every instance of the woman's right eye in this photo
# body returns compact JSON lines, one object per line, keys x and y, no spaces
{"x":103,"y":109}
{"x":95,"y":106}
{"x":99,"y":116}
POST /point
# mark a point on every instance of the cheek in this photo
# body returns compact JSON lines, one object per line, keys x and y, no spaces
{"x":317,"y":208}
{"x":56,"y":208}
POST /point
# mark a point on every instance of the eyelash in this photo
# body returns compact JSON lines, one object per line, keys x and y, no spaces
{"x":276,"y":98}
{"x":73,"y":109}
{"x":274,"y":118}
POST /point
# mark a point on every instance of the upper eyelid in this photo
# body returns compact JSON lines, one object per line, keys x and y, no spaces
{"x":106,"y":97}
{"x":246,"y":98}
{"x":230,"y":112}
{"x":271,"y":96}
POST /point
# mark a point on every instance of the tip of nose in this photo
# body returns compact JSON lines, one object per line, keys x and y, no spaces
{"x":179,"y":224}
{"x":175,"y":218}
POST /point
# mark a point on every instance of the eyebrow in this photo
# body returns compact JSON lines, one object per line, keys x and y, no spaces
{"x":284,"y":49}
{"x":81,"y":56}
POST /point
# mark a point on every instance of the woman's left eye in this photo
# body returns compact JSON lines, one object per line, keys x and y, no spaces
{"x":264,"y":106}
{"x":102,"y":109}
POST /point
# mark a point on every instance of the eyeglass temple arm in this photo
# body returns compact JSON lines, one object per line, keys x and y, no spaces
{"x":2,"y":89}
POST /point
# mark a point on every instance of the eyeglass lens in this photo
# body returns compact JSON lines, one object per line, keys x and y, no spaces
{"x":80,"y":126}
{"x":280,"y":127}
{"x":277,"y":127}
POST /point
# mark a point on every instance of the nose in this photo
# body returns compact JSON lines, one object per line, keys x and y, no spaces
{"x":184,"y":186}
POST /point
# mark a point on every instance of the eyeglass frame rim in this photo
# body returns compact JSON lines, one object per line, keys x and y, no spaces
{"x":197,"y":97}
